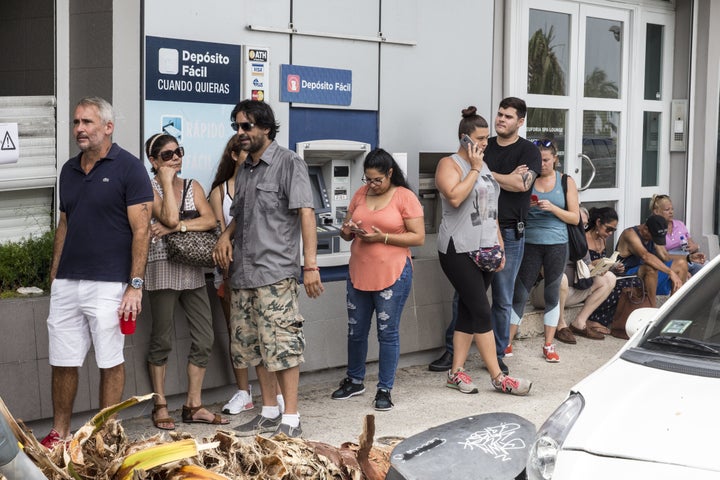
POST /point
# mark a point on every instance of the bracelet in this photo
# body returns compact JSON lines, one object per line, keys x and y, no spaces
{"x":475,"y":170}
{"x":311,"y":269}
{"x":386,"y":237}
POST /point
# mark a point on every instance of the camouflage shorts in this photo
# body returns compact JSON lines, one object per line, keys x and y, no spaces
{"x":266,"y":326}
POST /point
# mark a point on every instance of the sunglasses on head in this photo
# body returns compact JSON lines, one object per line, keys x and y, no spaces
{"x":543,"y":143}
{"x":168,"y":155}
{"x":245,"y":126}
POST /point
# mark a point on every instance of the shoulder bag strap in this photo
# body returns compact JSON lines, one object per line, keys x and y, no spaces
{"x":186,"y":187}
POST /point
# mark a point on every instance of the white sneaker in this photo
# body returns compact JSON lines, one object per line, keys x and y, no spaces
{"x":241,"y":401}
{"x":281,"y":404}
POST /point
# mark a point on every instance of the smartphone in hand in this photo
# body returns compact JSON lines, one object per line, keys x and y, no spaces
{"x":466,"y":141}
{"x":358,"y":231}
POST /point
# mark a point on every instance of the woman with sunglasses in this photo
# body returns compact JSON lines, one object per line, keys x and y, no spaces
{"x":677,"y":239}
{"x":546,"y":244}
{"x":169,"y":284}
{"x":383,"y":220}
{"x":469,"y":196}
{"x":602,"y":224}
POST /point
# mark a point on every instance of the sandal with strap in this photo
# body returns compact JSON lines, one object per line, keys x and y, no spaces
{"x":158,"y":422}
{"x":188,"y":414}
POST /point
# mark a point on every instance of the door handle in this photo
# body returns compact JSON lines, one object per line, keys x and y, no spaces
{"x":592,"y":174}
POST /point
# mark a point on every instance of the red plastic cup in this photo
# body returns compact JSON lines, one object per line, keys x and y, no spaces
{"x":127,"y":327}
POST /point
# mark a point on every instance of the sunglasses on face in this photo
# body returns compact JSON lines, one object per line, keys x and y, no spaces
{"x":543,"y":143}
{"x":245,"y":126}
{"x":168,"y":155}
{"x":609,"y":229}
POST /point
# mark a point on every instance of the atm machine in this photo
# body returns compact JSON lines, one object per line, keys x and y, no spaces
{"x":336,"y":170}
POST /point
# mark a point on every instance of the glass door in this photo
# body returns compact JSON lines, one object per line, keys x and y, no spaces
{"x":606,"y":112}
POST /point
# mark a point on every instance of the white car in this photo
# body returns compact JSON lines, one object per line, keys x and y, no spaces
{"x":653,"y":410}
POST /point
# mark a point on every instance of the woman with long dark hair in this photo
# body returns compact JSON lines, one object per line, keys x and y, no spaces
{"x":384,"y":219}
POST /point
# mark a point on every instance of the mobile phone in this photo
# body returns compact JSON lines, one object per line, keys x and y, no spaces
{"x":533,"y":198}
{"x":358,"y":230}
{"x":466,"y":141}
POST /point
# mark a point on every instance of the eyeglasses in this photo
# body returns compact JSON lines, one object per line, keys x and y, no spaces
{"x":609,"y":229}
{"x":168,"y":155}
{"x":543,"y":143}
{"x":245,"y":126}
{"x":374,"y":181}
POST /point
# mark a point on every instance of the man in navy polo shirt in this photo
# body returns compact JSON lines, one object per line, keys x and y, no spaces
{"x":99,"y":255}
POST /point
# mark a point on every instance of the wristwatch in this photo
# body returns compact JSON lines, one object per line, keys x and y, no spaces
{"x":183,"y":227}
{"x":137,"y":283}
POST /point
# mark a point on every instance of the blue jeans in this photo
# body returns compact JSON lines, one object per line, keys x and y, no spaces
{"x":388,"y":306}
{"x":503,"y":288}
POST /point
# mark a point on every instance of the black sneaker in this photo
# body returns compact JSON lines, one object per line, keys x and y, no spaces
{"x":442,"y":364}
{"x":382,"y":401}
{"x":503,"y":367}
{"x":348,"y":389}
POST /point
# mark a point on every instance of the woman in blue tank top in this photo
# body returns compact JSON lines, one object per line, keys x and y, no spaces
{"x":546,"y":245}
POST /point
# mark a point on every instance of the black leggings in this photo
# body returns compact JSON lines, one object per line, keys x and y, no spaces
{"x":471,"y":284}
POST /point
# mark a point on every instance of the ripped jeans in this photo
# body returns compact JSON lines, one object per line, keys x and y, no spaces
{"x":388,"y":306}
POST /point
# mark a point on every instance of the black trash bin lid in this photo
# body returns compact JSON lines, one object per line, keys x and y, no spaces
{"x":489,"y":446}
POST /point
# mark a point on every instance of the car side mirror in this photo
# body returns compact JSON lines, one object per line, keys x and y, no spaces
{"x":640,"y":319}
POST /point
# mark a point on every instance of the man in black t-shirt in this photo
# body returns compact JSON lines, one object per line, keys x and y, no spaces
{"x":515,"y":163}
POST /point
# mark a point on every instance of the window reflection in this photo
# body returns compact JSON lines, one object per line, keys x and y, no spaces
{"x":653,"y":61}
{"x":603,"y":58}
{"x":600,"y":133}
{"x":650,"y":163}
{"x":548,"y":123}
{"x":548,"y":52}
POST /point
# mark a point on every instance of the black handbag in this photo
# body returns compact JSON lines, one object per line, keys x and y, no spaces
{"x":577,"y":243}
{"x":192,"y":248}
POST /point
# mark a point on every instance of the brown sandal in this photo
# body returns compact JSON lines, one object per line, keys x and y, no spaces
{"x":158,"y":421}
{"x":189,"y":412}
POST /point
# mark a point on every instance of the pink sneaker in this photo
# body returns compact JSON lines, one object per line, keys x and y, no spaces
{"x":52,"y":439}
{"x":508,"y":351}
{"x":550,"y":354}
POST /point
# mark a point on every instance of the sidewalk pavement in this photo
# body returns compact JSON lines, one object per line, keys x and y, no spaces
{"x":421,"y":398}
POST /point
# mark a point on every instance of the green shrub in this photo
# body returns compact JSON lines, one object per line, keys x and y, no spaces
{"x":26,"y":264}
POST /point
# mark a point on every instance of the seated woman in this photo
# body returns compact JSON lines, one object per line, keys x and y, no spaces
{"x":677,"y":240}
{"x":602,"y":223}
{"x":591,"y":292}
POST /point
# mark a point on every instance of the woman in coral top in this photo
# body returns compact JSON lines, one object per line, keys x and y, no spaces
{"x":384,"y":219}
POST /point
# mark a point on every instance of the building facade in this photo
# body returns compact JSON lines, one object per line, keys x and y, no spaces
{"x":629,"y":90}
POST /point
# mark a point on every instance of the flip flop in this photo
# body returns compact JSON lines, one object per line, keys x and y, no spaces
{"x":188,"y":414}
{"x":587,"y":332}
{"x":157,"y":422}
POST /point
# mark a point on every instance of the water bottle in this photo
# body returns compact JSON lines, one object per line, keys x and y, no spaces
{"x":683,"y":243}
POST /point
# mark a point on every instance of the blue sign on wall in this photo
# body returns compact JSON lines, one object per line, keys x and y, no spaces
{"x":325,"y":86}
{"x":190,"y":71}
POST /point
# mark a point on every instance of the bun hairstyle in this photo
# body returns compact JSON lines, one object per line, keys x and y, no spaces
{"x":470,"y":121}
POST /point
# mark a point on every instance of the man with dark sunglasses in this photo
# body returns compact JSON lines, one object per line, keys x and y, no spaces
{"x":272,"y":208}
{"x":641,"y":249}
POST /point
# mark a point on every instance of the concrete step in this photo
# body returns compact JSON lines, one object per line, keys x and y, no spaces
{"x":532,"y":323}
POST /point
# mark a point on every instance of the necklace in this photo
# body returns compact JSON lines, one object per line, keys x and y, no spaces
{"x":599,"y":242}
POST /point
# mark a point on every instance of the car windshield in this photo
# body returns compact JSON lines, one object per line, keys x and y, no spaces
{"x":692,"y":325}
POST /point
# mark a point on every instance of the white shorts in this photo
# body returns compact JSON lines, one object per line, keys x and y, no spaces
{"x":84,"y":312}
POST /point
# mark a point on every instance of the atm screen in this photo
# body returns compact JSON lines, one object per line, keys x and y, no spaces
{"x":320,"y":197}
